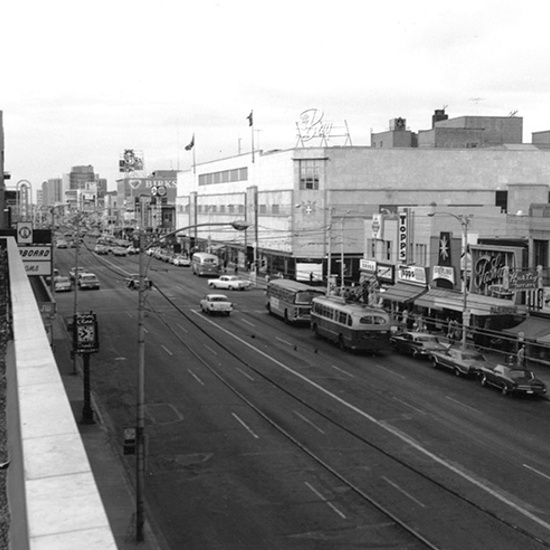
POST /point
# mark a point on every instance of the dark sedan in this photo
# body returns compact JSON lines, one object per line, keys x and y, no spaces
{"x":417,"y":344}
{"x":512,"y":381}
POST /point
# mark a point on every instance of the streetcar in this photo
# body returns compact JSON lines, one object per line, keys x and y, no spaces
{"x":290,"y":300}
{"x":351,"y":325}
{"x":205,"y":264}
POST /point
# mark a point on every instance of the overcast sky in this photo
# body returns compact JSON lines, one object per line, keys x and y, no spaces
{"x":81,"y":82}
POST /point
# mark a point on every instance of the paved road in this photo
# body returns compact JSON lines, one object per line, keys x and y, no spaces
{"x":224,"y":417}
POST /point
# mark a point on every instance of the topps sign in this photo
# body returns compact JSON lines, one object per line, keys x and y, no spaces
{"x":403,"y":237}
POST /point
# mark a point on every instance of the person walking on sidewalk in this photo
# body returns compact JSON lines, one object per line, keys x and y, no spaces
{"x":521,"y":356}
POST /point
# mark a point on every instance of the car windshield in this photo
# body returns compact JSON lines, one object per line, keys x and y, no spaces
{"x":427,"y":338}
{"x":473,"y":357}
{"x":219,"y":299}
{"x":60,"y":279}
{"x":516,"y":374}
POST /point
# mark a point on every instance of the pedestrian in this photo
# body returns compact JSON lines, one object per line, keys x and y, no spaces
{"x":236,"y":268}
{"x":225,"y":265}
{"x":521,"y":356}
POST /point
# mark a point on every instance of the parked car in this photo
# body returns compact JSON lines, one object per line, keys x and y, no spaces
{"x":132,"y":249}
{"x":512,"y":380}
{"x":61,"y":243}
{"x":119,"y":251}
{"x":61,"y":283}
{"x":88,"y":281}
{"x":216,"y":303}
{"x":461,"y":361}
{"x":74,"y":271}
{"x":229,"y":282}
{"x":180,"y":260}
{"x":417,"y":344}
{"x":101,"y":249}
{"x":132,"y":281}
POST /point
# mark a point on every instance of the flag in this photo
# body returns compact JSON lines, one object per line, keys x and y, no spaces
{"x":250,"y":119}
{"x":191,"y":144}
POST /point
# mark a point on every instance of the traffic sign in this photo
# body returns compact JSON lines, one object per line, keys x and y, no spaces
{"x":24,"y":232}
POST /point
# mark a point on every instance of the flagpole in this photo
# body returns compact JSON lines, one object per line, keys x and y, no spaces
{"x":194,"y":161}
{"x":250,"y":118}
{"x":252,"y":137}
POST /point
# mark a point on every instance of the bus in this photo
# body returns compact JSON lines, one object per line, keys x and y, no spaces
{"x":351,"y":325}
{"x":290,"y":300}
{"x":204,"y":263}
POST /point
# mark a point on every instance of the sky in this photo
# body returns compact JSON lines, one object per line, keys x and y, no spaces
{"x":82,"y":82}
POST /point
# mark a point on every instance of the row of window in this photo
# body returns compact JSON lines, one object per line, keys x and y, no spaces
{"x":225,"y":176}
{"x":273,"y":209}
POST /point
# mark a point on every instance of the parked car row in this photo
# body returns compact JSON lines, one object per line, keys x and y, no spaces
{"x":468,"y":362}
{"x":164,"y":255}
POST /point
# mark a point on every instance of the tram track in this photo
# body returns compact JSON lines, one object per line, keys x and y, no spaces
{"x":531,"y":540}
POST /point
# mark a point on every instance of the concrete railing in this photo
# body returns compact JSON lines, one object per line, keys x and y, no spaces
{"x":53,"y":498}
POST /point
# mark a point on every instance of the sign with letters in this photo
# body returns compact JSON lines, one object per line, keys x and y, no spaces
{"x":37,"y":259}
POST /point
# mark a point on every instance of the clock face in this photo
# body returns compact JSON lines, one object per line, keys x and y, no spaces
{"x":86,"y":333}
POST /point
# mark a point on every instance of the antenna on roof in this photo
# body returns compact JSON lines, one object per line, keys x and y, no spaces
{"x":513,"y":113}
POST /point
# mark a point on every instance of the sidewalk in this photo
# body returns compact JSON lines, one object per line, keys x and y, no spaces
{"x":110,"y":475}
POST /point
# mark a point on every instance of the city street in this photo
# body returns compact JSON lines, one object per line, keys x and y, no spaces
{"x":258,"y":431}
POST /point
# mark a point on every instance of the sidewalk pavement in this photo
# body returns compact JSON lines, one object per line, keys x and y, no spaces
{"x":110,"y":475}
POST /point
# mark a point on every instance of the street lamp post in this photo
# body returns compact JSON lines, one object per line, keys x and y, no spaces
{"x":464,"y":222}
{"x":140,"y":394}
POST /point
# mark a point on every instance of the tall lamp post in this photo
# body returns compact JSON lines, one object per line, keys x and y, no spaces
{"x":464,"y":222}
{"x":140,"y":400}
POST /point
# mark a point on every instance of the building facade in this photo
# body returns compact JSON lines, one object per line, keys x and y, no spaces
{"x":306,"y":204}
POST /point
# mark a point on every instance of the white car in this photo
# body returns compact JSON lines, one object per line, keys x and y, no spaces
{"x":62,"y":284}
{"x":229,"y":282}
{"x":216,"y":303}
{"x":88,"y":281}
{"x":180,"y":260}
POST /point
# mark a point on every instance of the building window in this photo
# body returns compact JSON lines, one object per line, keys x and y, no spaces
{"x":263,"y":209}
{"x":501,"y":200}
{"x":310,"y":173}
{"x":231,"y":208}
{"x":238,"y":174}
{"x":275,"y":209}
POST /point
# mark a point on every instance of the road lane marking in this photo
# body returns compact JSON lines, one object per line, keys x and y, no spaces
{"x":248,"y":322}
{"x":195,"y":377}
{"x":211,"y":350}
{"x":403,"y":437}
{"x":391,"y":371}
{"x":308,"y":421}
{"x":246,"y":374}
{"x":342,"y":371}
{"x":463,"y":405}
{"x":166,"y":349}
{"x":245,"y":426}
{"x":284,"y":341}
{"x":401,"y":490}
{"x":536,"y":471}
{"x":409,"y":405}
{"x":182,"y":328}
{"x":329,"y":504}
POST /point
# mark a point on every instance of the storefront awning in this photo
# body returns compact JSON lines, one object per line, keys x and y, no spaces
{"x":439,"y":298}
{"x":533,"y":328}
{"x":403,"y":292}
